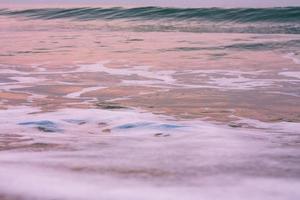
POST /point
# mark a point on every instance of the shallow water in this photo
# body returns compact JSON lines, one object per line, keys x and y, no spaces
{"x":106,"y":104}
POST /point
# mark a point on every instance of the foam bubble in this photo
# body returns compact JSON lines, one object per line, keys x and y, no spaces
{"x":84,"y":90}
{"x":293,"y":74}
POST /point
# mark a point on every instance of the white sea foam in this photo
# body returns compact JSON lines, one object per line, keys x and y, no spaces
{"x":286,"y":127}
{"x":92,"y":116}
{"x":41,"y":183}
{"x":11,"y":71}
{"x":228,"y":79}
{"x":27,"y":79}
{"x":161,"y":78}
{"x":294,"y":74}
{"x":145,"y":154}
{"x":217,"y":79}
{"x":240,"y":83}
{"x":118,"y":118}
{"x":145,"y":76}
{"x":84,"y":90}
{"x":142,"y":71}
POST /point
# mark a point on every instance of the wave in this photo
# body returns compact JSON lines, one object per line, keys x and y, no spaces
{"x":242,"y":15}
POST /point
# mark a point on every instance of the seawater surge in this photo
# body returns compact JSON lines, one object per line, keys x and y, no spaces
{"x":235,"y":20}
{"x":287,"y":14}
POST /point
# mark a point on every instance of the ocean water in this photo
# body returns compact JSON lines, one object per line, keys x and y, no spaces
{"x":149,"y":103}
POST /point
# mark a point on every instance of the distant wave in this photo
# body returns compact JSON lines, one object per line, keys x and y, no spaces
{"x":242,"y":15}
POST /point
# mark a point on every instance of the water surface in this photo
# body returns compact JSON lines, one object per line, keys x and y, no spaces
{"x":149,"y":103}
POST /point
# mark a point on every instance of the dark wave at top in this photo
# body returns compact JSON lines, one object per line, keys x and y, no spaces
{"x":241,"y":15}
